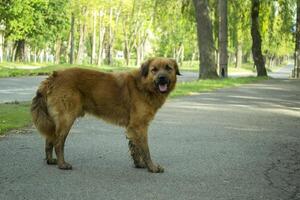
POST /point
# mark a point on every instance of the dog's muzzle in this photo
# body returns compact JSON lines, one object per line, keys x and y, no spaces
{"x":162,"y":83}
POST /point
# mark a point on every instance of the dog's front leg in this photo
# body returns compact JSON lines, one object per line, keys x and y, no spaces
{"x":138,"y":145}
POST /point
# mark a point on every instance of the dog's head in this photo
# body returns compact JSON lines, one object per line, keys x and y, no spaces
{"x":159,"y":74}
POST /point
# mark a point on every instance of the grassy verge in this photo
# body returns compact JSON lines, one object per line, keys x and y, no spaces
{"x":190,"y":88}
{"x":245,"y":68}
{"x":17,"y":115}
{"x":13,"y":116}
{"x":19,"y":69}
{"x":9,"y":69}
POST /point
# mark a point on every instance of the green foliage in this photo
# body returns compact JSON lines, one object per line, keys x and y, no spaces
{"x":165,"y":28}
{"x":35,"y":21}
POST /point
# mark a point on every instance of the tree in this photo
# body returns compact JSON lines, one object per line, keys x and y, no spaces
{"x":32,"y":22}
{"x":256,"y":40}
{"x":208,"y":68}
{"x":297,"y":43}
{"x":223,"y":60}
{"x":71,"y":56}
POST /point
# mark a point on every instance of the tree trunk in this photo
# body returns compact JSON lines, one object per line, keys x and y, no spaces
{"x":109,"y":43}
{"x":27,"y":53}
{"x":223,"y":34}
{"x":208,"y":68}
{"x":101,"y":37}
{"x":20,"y":51}
{"x":80,"y":52}
{"x":57,"y":51}
{"x":127,"y":54}
{"x":42,"y":55}
{"x":1,"y":47}
{"x":93,"y":59}
{"x":138,"y":50}
{"x":297,"y":44}
{"x":71,"y":56}
{"x":111,"y":34}
{"x":256,"y":40}
{"x":238,"y":55}
{"x":34,"y":55}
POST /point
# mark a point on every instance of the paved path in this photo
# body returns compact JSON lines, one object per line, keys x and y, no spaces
{"x":233,"y":144}
{"x":19,"y":88}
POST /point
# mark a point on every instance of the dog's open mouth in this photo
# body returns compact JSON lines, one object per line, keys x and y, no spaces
{"x":163,"y":87}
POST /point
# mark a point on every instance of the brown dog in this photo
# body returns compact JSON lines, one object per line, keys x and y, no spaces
{"x":128,"y":99}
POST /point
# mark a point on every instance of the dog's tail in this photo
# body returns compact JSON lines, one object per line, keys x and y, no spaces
{"x":40,"y":115}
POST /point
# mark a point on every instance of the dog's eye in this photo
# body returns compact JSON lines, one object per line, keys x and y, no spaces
{"x":154,"y":70}
{"x":168,"y":68}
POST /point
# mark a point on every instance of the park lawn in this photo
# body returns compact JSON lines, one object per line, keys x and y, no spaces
{"x":9,"y":69}
{"x":14,"y":115}
{"x":193,"y":66}
{"x":17,"y":115}
{"x":19,"y":69}
{"x":195,"y":87}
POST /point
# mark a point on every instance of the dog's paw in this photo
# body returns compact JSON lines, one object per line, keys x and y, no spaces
{"x":51,"y":161}
{"x":156,"y":169}
{"x":65,"y":166}
{"x":140,"y":165}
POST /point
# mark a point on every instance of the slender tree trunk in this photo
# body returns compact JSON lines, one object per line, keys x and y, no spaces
{"x":182,"y":55}
{"x":101,"y":37}
{"x":81,"y":46}
{"x":71,"y":56}
{"x":208,"y":67}
{"x":34,"y":55}
{"x":1,"y":46}
{"x":297,"y":44}
{"x":238,"y":55}
{"x":127,"y":53}
{"x":57,"y":50}
{"x":109,"y":44}
{"x":223,"y":35}
{"x":20,"y":51}
{"x":193,"y":56}
{"x":42,"y":55}
{"x":93,"y":59}
{"x":27,"y":53}
{"x":111,"y":34}
{"x":138,"y":50}
{"x":256,"y":40}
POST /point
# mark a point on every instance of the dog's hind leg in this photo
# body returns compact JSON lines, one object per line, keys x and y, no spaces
{"x":62,"y":132}
{"x":49,"y":152}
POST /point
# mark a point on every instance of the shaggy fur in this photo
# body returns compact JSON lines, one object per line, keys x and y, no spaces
{"x":128,"y":99}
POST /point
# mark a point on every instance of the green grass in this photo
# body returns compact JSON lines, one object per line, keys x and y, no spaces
{"x":245,"y":68}
{"x":17,"y":115}
{"x":15,"y":69}
{"x":14,"y":115}
{"x":194,"y":87}
{"x":12,"y":69}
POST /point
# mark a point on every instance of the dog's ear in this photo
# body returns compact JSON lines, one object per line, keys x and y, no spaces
{"x":145,"y":67}
{"x":176,"y":67}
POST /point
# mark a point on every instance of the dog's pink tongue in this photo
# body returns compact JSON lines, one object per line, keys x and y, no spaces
{"x":163,"y":88}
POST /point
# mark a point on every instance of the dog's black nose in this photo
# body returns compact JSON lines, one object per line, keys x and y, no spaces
{"x":162,"y":79}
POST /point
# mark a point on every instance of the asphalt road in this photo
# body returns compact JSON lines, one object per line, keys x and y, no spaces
{"x":233,"y":144}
